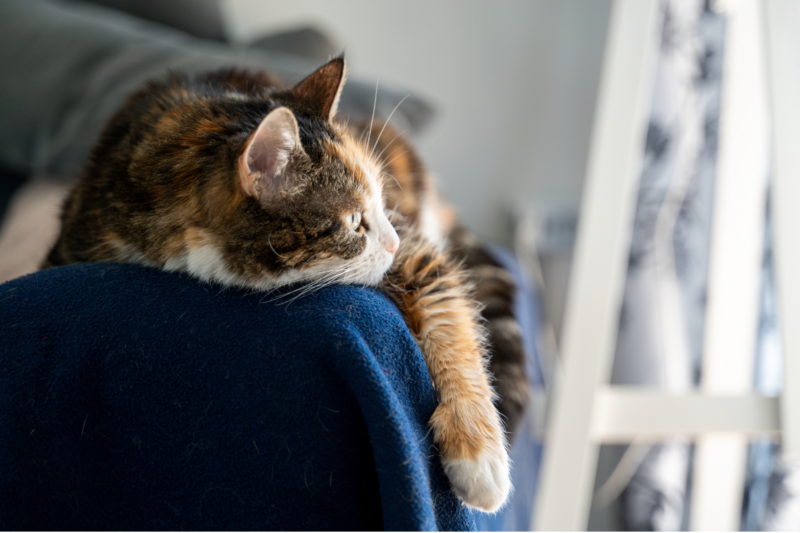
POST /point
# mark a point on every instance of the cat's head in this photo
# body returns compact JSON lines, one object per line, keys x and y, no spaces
{"x":320,"y":187}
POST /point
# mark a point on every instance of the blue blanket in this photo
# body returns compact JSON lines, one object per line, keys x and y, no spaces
{"x":137,"y":399}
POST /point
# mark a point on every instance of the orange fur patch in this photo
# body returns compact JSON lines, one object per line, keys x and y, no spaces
{"x":445,"y":322}
{"x":354,"y":156}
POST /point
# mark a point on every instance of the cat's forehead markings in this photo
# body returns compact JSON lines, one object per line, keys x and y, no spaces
{"x":356,"y":160}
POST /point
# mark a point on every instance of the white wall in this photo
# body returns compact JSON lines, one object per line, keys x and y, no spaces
{"x":514,"y":82}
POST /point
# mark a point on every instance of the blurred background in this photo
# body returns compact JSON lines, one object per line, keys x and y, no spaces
{"x":513,"y":84}
{"x":503,"y":101}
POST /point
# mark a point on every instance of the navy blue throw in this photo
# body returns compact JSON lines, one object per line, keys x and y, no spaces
{"x":132,"y":398}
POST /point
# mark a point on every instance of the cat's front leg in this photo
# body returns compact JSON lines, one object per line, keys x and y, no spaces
{"x":433,"y":294}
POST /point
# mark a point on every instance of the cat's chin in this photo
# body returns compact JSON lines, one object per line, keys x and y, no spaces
{"x":373,"y":279}
{"x":374,"y":276}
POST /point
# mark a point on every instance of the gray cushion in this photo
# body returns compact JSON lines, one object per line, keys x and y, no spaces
{"x":68,"y":66}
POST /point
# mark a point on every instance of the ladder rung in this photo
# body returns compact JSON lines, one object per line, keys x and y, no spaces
{"x":623,"y":413}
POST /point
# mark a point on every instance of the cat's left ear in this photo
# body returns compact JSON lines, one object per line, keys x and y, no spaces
{"x":265,"y":163}
{"x":320,"y":91}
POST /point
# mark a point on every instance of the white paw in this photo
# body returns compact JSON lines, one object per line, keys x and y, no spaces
{"x":483,"y":483}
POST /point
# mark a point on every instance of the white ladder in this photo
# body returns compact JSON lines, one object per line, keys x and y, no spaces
{"x":586,"y":411}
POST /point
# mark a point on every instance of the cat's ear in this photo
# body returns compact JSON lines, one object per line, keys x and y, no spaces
{"x":320,"y":91}
{"x":264,"y":164}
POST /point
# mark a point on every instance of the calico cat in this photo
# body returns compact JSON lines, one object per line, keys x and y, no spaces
{"x":236,"y":180}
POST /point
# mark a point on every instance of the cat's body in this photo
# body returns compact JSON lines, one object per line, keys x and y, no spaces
{"x":236,"y":180}
{"x":410,"y":193}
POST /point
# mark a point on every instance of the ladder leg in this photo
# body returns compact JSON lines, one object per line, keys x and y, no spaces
{"x":783,"y":45}
{"x":737,"y":246}
{"x":600,"y":261}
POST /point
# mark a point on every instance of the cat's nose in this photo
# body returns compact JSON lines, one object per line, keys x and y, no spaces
{"x":391,"y":243}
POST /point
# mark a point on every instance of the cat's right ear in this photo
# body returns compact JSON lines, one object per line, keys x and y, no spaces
{"x":320,"y":91}
{"x":264,"y":164}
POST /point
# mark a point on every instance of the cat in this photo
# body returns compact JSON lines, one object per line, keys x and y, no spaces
{"x":235,"y":179}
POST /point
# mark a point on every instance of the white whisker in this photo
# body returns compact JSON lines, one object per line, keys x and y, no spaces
{"x":374,"y":105}
{"x":395,"y":179}
{"x":390,"y":143}
{"x":327,"y":279}
{"x":385,"y":123}
{"x":401,"y":154}
{"x":269,"y":241}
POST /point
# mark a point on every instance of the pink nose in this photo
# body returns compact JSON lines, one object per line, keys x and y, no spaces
{"x":391,"y":243}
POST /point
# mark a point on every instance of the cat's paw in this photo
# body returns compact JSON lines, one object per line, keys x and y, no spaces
{"x":472,"y":445}
{"x":483,"y":483}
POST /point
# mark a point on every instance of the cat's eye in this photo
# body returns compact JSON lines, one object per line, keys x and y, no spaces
{"x":354,"y":221}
